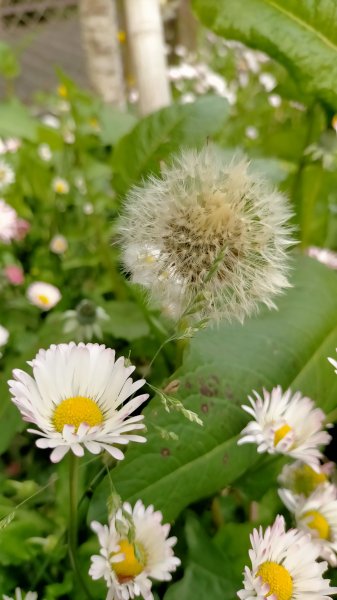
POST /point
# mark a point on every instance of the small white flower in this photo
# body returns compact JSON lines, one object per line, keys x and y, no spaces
{"x":302,"y":480}
{"x":58,"y":244}
{"x":84,"y":323}
{"x":51,"y":121}
{"x":275,"y":100}
{"x":217,"y":233}
{"x":284,"y":567}
{"x":8,"y":222}
{"x":268,"y":81}
{"x":19,"y":595}
{"x":129,"y":567}
{"x":317,"y":515}
{"x":286,"y":424}
{"x":251,"y":132}
{"x":44,"y":152}
{"x":78,"y":398}
{"x":7,"y":175}
{"x":44,"y":295}
{"x":4,"y":335}
{"x":60,"y":186}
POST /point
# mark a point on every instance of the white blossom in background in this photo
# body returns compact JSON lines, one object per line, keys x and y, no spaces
{"x":44,"y":152}
{"x":85,"y":322}
{"x":4,"y":335}
{"x":323,"y":255}
{"x":9,"y":145}
{"x":58,"y":244}
{"x":8,"y":222}
{"x":302,"y":480}
{"x":284,"y":566}
{"x":7,"y":175}
{"x":60,"y":186}
{"x":208,"y":229}
{"x":79,"y":398}
{"x":317,"y":515}
{"x":128,"y":567}
{"x":19,"y":595}
{"x":43,"y":295}
{"x":286,"y":423}
{"x":51,"y":121}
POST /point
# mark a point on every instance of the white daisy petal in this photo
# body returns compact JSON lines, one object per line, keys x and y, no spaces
{"x":74,"y":399}
{"x":128,"y":574}
{"x":286,"y":424}
{"x":20,"y":596}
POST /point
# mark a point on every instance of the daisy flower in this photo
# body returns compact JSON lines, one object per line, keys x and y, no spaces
{"x":284,"y":566}
{"x":316,"y":515}
{"x":126,"y":566}
{"x":44,"y":152}
{"x":19,"y":595}
{"x":4,"y":335}
{"x":44,"y":295}
{"x":301,"y":479}
{"x":286,"y":424}
{"x":85,"y":322}
{"x":8,"y":222}
{"x":7,"y":175}
{"x":60,"y":186}
{"x":207,"y":230}
{"x":77,"y":398}
{"x":58,"y":244}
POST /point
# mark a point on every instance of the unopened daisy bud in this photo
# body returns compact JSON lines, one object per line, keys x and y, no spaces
{"x":284,"y":566}
{"x":129,"y":560}
{"x":14,"y":274}
{"x":20,"y":595}
{"x":79,"y":398}
{"x":60,"y":186}
{"x":286,"y":424}
{"x":316,"y":515}
{"x":44,"y":152}
{"x":44,"y":295}
{"x":207,"y":229}
{"x":302,"y":480}
{"x":58,"y":244}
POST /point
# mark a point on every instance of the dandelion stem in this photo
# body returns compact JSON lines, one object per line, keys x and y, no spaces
{"x":72,"y":529}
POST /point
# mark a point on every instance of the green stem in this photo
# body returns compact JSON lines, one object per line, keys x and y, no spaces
{"x":72,"y":529}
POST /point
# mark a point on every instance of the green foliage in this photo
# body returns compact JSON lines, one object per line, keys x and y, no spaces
{"x":223,"y":365}
{"x":301,"y":35}
{"x":157,"y":136}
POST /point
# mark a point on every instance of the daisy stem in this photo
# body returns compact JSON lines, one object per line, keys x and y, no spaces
{"x":73,"y":520}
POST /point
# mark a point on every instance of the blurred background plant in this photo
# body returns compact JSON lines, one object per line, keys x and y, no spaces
{"x":71,"y":147}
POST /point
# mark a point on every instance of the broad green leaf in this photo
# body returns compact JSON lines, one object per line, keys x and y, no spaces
{"x":300,"y":35}
{"x":223,"y":365}
{"x":209,"y":569}
{"x":155,"y":137}
{"x":16,"y":121}
{"x":126,"y":320}
{"x":114,"y":124}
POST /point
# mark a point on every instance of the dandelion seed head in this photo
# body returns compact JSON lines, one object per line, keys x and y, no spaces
{"x":211,"y":228}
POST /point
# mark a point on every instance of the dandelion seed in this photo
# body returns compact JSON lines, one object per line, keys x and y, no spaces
{"x":135,"y":549}
{"x":200,"y":213}
{"x":286,"y":424}
{"x":284,"y":566}
{"x":78,"y":398}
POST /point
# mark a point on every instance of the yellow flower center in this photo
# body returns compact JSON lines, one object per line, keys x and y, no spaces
{"x":315,"y":520}
{"x":77,"y":410}
{"x":278,"y":578}
{"x":281,"y":433}
{"x":132,"y":564}
{"x":60,"y":188}
{"x":306,"y":480}
{"x":62,"y":91}
{"x":43,"y":299}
